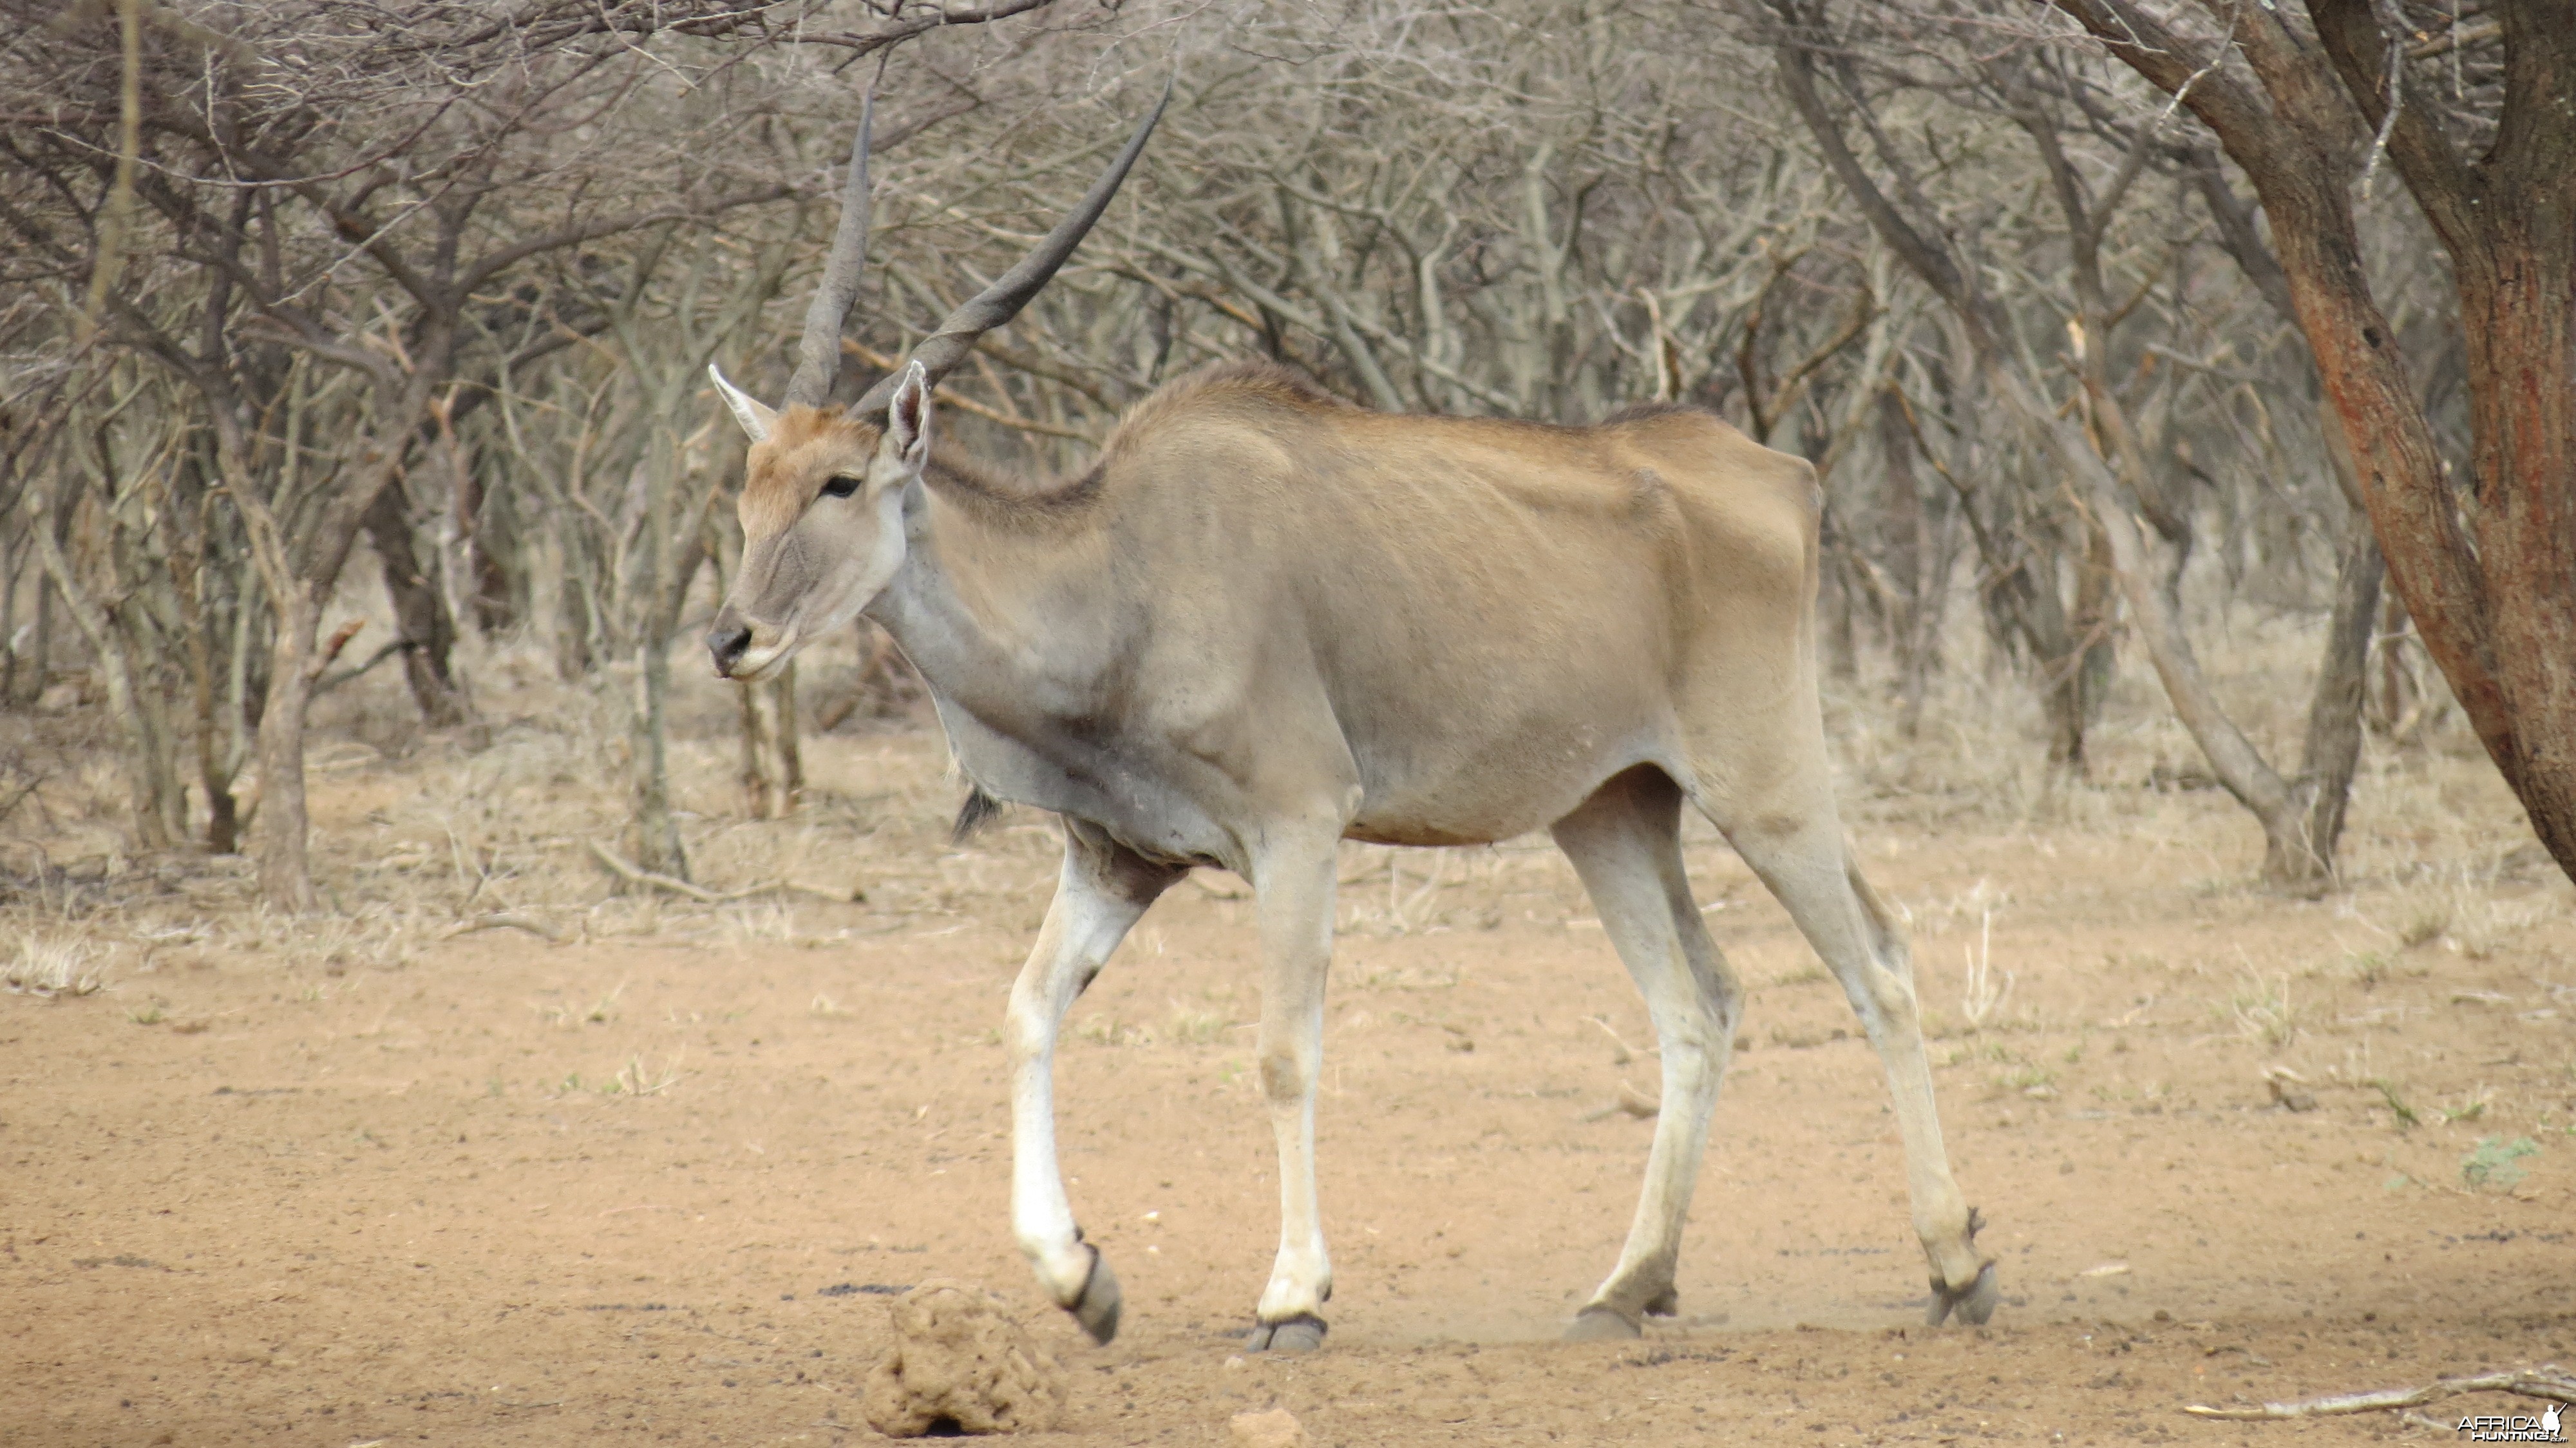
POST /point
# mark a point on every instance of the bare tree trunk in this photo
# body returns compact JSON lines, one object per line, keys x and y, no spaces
{"x":474,"y":586}
{"x":2061,"y":705}
{"x":2023,"y":609}
{"x":2101,"y":457}
{"x":428,"y":632}
{"x":213,"y":617}
{"x":299,"y":588}
{"x":18,"y":557}
{"x":2394,"y":712}
{"x":40,"y":644}
{"x":2297,"y":854}
{"x":279,"y":845}
{"x":246,"y":685}
{"x":773,"y":770}
{"x":2522,"y":389}
{"x":1842,"y":654}
{"x":652,"y":831}
{"x":2291,"y":855}
{"x":1917,"y":565}
{"x":2056,"y":650}
{"x":2094,"y":624}
{"x":148,"y":783}
{"x":223,"y":811}
{"x":577,"y":622}
{"x":2486,"y":563}
{"x":161,"y":814}
{"x":480,"y":576}
{"x":2333,"y":748}
{"x":2025,"y":594}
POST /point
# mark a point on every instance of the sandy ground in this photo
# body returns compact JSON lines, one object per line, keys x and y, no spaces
{"x":655,"y":1184}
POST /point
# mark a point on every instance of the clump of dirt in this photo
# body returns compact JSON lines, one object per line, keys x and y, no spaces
{"x":1273,"y":1428}
{"x":961,"y":1364}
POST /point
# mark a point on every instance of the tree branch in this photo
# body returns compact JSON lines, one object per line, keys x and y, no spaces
{"x":2550,"y":1384}
{"x":485,"y":269}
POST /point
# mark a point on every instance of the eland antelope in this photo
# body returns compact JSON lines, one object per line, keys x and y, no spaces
{"x":1265,"y":621}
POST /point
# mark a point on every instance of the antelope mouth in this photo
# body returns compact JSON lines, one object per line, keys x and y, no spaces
{"x":747,"y":652}
{"x":763,"y":662}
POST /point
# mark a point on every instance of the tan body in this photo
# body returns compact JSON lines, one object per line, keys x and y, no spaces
{"x":1266,"y":622}
{"x":1435,"y":631}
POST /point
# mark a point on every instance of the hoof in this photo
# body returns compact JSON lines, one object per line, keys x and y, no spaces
{"x":1302,"y":1333}
{"x":1097,"y":1308}
{"x":1602,"y":1324}
{"x":1974,"y":1305}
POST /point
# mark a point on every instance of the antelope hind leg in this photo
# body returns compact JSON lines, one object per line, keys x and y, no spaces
{"x":1625,"y":843}
{"x":1797,"y":849}
{"x":1102,"y":892}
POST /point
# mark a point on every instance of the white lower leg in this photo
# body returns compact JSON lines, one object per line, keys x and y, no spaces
{"x":1295,"y":883}
{"x":1894,"y":1019}
{"x":1088,"y":917}
{"x":1694,"y":1064}
{"x":1847,"y":926}
{"x":1041,"y":1214}
{"x":1941,"y":1216}
{"x":1301,"y":1276}
{"x":1624,"y":844}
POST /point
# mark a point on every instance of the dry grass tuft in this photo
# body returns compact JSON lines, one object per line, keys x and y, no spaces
{"x":1981,"y":999}
{"x":1188,"y":1027}
{"x":2424,"y":926}
{"x":55,"y":969}
{"x":2263,"y":1011}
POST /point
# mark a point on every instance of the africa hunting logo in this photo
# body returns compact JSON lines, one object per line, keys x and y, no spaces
{"x":2514,"y":1428}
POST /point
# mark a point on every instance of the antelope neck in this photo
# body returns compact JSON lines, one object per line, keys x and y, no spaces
{"x":985,"y":606}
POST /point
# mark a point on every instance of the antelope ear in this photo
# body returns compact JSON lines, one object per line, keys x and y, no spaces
{"x":756,"y":417}
{"x":908,"y":417}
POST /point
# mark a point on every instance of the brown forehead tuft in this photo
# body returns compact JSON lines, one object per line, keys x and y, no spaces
{"x":805,"y":448}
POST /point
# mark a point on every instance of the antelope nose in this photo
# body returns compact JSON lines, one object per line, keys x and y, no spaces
{"x":727,"y":641}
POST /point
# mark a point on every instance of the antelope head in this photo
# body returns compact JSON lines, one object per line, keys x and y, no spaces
{"x":822,"y":521}
{"x":823,"y":487}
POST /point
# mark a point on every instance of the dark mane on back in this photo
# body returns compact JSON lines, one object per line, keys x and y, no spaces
{"x":1248,"y":382}
{"x":988,"y":490}
{"x":999,"y":495}
{"x":1649,"y":411}
{"x":1254,"y":377}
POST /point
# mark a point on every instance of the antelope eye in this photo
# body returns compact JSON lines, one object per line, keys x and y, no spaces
{"x":842,"y":485}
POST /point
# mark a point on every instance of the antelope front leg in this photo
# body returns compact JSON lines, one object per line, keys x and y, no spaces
{"x":1103,"y":891}
{"x":1294,"y":882}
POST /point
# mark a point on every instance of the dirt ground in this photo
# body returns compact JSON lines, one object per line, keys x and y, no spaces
{"x":382,"y":1182}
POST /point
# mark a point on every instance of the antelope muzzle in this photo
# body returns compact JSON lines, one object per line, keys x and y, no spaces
{"x":728,"y":640}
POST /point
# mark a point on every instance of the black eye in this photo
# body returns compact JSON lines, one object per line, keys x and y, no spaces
{"x":842,"y":485}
